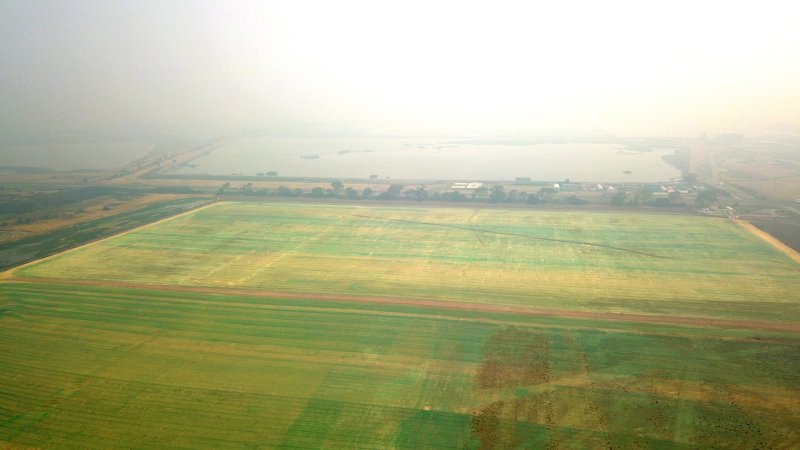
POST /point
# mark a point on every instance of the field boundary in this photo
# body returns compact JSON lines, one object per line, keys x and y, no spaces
{"x":6,"y":274}
{"x":786,"y":327}
{"x":769,"y":239}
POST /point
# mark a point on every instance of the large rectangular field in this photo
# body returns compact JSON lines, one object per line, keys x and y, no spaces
{"x":633,"y":263}
{"x":322,"y":326}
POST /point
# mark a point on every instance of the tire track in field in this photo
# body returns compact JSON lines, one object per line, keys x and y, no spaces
{"x":785,"y":327}
{"x":524,"y":236}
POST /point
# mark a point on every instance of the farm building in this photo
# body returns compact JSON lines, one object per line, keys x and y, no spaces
{"x":472,"y":185}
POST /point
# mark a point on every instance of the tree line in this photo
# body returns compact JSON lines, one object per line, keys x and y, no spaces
{"x":337,"y":189}
{"x":494,"y":194}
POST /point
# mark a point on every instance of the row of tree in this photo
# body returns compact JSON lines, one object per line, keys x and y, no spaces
{"x":494,"y":194}
{"x":337,"y":189}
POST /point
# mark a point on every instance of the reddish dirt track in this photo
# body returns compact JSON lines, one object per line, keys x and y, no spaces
{"x":790,"y":327}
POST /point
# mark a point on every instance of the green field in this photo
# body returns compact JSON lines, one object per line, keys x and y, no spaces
{"x":320,"y":326}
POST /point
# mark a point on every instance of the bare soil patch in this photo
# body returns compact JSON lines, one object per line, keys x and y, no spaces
{"x":515,"y":357}
{"x":785,"y":231}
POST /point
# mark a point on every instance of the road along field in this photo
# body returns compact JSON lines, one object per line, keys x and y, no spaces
{"x":310,"y":326}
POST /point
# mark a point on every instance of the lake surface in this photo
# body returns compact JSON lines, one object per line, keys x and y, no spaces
{"x":432,"y":160}
{"x":73,"y":156}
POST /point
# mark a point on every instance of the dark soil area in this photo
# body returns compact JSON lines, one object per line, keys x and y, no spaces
{"x":787,"y":232}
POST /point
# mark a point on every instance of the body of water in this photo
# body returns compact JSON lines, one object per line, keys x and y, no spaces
{"x":432,"y":160}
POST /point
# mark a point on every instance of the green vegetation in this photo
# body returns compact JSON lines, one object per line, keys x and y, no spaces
{"x":330,"y":326}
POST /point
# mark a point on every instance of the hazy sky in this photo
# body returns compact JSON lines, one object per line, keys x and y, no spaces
{"x":629,"y":68}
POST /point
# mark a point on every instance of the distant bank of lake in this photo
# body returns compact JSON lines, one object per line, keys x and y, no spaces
{"x":72,"y":155}
{"x":432,"y":159}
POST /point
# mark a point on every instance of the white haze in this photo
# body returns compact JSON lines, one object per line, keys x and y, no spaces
{"x":373,"y":67}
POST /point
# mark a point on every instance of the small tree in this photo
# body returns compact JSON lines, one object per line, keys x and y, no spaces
{"x":351,"y":193}
{"x":575,"y":200}
{"x":337,"y":186}
{"x":394,"y":191}
{"x":546,"y":194}
{"x":706,"y":198}
{"x":453,"y":196}
{"x":497,"y":194}
{"x":480,"y":192}
{"x":317,"y":192}
{"x":642,"y":195}
{"x":420,"y":193}
{"x":619,"y":199}
{"x":368,"y":192}
{"x":662,"y":202}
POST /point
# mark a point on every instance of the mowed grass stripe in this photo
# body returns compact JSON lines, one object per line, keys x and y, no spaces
{"x":266,"y":305}
{"x":61,"y":430}
{"x":42,"y":378}
{"x":687,"y":318}
{"x":273,"y":307}
{"x":192,"y":417}
{"x":281,"y":327}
